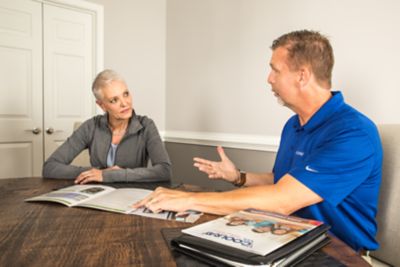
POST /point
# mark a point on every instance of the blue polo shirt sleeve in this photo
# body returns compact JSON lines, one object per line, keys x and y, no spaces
{"x":338,"y":166}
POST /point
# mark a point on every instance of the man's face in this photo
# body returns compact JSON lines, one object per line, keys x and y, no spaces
{"x":283,"y":81}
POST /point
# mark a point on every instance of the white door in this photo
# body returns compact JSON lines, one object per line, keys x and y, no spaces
{"x":68,"y":72}
{"x":49,"y":54}
{"x":21,"y":139}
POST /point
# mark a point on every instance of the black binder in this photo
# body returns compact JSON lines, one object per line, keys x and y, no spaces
{"x":216,"y":254}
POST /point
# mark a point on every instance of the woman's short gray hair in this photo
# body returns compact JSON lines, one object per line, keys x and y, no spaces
{"x":103,"y":79}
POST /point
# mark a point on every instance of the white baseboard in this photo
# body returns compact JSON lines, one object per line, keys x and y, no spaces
{"x":239,"y":141}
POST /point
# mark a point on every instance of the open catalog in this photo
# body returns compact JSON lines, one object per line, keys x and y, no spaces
{"x":110,"y":199}
{"x":252,"y":238}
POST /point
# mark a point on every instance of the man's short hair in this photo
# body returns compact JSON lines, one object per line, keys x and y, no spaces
{"x":103,"y":79}
{"x":309,"y":48}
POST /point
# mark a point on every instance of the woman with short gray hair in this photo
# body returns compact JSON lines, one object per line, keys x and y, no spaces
{"x":120,"y":142}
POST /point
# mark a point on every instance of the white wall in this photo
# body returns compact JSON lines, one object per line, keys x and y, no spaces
{"x":218,"y":54}
{"x":134,"y":46}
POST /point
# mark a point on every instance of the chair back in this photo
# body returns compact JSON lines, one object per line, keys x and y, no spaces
{"x":83,"y":159}
{"x":388,"y":216}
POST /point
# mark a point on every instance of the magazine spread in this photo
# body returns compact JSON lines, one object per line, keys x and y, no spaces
{"x":110,"y":199}
{"x":254,"y":231}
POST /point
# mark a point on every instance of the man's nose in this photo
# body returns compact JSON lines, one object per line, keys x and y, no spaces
{"x":269,"y":78}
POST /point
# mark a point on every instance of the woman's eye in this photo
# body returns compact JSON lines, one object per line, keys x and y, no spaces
{"x":113,"y":101}
{"x":126,"y":94}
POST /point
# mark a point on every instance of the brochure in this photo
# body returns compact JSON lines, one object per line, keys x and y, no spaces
{"x":110,"y":199}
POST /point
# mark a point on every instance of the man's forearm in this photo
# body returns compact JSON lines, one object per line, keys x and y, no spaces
{"x":253,"y":178}
{"x":258,"y":197}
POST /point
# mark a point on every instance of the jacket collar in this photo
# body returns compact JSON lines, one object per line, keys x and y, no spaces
{"x":134,"y":125}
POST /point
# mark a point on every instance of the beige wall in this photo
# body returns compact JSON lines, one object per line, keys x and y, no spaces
{"x":218,"y":53}
{"x":201,"y":66}
{"x":134,"y":45}
{"x":183,"y":170}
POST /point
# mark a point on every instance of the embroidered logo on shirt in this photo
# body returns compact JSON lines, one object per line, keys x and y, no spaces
{"x":299,"y":153}
{"x":308,"y":168}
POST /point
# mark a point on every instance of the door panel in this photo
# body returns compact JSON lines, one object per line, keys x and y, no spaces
{"x":21,"y":150}
{"x":16,"y":102}
{"x":69,"y":86}
{"x":68,"y":72}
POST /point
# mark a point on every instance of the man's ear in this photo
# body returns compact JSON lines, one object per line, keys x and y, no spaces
{"x":304,"y":76}
{"x":101,"y":105}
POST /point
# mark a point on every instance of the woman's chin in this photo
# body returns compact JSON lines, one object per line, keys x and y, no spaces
{"x":126,"y":115}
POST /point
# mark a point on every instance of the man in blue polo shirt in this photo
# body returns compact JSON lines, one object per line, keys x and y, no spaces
{"x":337,"y":154}
{"x":328,"y":166}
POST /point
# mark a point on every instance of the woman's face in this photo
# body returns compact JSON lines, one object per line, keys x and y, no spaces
{"x":116,"y":101}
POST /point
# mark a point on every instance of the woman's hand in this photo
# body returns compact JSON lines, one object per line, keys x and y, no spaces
{"x":92,"y":175}
{"x":224,"y":169}
{"x":115,"y":167}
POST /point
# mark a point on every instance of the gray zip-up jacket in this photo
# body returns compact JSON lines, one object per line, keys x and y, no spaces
{"x":140,"y":143}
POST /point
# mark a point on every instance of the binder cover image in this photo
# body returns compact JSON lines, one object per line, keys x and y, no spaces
{"x":253,"y":237}
{"x":188,"y":259}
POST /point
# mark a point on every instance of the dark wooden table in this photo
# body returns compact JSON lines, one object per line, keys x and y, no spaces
{"x":49,"y":234}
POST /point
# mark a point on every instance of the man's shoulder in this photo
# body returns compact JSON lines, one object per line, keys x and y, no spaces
{"x":355,"y":127}
{"x":350,"y":119}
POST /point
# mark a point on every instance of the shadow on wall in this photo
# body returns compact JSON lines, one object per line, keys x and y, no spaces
{"x":183,"y":170}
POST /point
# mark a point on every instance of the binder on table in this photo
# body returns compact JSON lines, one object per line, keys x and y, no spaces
{"x":252,"y":237}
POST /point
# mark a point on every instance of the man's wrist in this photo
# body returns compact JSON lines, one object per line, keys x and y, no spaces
{"x":241,"y":179}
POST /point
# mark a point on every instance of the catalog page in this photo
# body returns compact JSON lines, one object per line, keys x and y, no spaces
{"x":74,"y":195}
{"x":119,"y":200}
